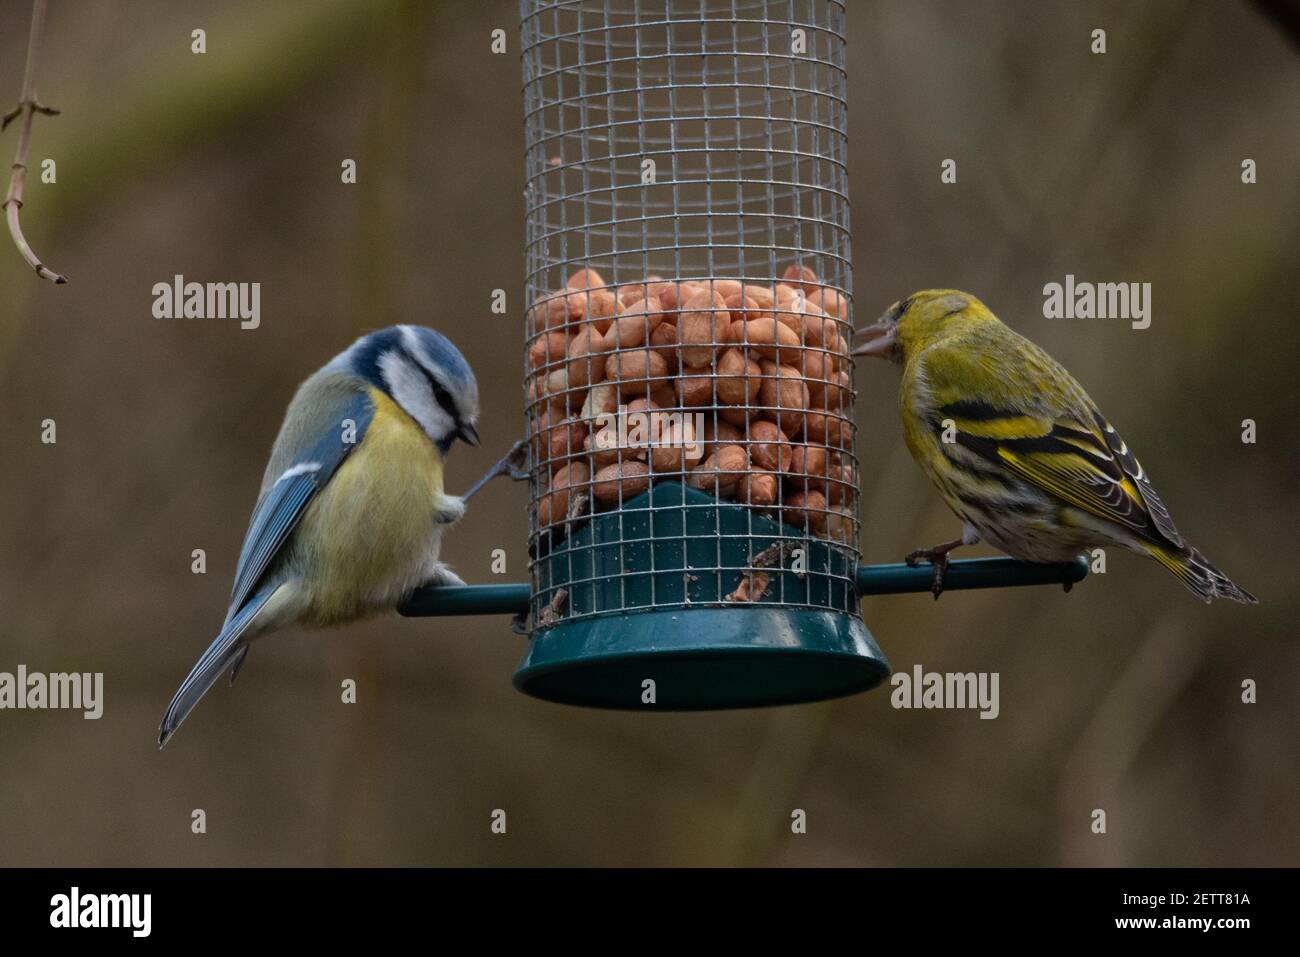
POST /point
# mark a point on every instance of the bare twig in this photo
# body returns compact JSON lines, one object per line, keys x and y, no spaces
{"x":28,"y":106}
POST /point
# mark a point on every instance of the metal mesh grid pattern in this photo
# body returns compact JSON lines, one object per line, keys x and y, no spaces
{"x":688,"y":274}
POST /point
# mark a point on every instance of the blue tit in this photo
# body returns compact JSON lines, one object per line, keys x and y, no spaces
{"x":352,"y":508}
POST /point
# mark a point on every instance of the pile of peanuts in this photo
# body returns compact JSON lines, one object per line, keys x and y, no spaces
{"x":766,"y":365}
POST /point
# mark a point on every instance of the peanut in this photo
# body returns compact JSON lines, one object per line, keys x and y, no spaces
{"x":633,"y":292}
{"x":635,"y":371}
{"x":547,"y":348}
{"x":601,"y":400}
{"x":830,"y":302}
{"x":719,"y":434}
{"x":601,"y":307}
{"x":637,"y":323}
{"x":554,"y":506}
{"x":664,"y":342}
{"x":556,"y":388}
{"x":585,"y":279}
{"x":587,"y":357}
{"x":721,"y":471}
{"x":840,"y":526}
{"x":787,"y":295}
{"x":801,"y":276}
{"x":695,"y":390}
{"x":815,"y":327}
{"x":826,"y":428}
{"x":556,"y":439}
{"x":603,"y":448}
{"x":833,"y":395}
{"x":724,"y":287}
{"x":767,"y":337}
{"x":762,"y":296}
{"x":785,"y":396}
{"x":620,"y":481}
{"x":816,"y":365}
{"x":742,"y":307}
{"x":672,"y":295}
{"x":808,"y":465}
{"x":675,"y":443}
{"x":702,"y":325}
{"x":549,"y":312}
{"x":768,"y":447}
{"x":758,"y":489}
{"x":738,"y":378}
{"x":806,"y":510}
{"x":841,"y":485}
{"x":737,"y":415}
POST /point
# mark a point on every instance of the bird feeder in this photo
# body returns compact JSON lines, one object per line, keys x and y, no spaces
{"x":688,"y":388}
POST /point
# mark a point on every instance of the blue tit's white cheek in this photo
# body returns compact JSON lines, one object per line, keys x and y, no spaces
{"x":444,"y":363}
{"x":410,"y":389}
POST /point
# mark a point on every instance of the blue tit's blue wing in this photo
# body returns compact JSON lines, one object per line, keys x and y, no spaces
{"x":338,"y":428}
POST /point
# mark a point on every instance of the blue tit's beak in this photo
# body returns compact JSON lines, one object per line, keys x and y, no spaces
{"x":467,"y":433}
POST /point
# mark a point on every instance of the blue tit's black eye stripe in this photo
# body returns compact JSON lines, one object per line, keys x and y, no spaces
{"x":440,"y":393}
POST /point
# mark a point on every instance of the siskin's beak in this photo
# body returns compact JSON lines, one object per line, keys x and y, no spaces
{"x":878,"y":339}
{"x":468,"y":433}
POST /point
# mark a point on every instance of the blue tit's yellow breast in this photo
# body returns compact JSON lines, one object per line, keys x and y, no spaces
{"x":365,"y":538}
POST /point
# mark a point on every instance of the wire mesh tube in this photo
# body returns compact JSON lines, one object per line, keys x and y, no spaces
{"x":688,"y":385}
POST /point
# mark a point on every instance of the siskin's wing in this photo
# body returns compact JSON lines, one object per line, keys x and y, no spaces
{"x":1018,"y":409}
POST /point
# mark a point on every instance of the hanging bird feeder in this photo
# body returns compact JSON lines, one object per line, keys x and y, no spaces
{"x":690,"y":445}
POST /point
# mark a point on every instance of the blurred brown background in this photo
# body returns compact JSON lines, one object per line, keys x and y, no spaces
{"x":1123,"y":695}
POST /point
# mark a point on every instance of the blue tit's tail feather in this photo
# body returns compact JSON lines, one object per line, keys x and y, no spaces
{"x":1195,"y":571}
{"x":228,"y":648}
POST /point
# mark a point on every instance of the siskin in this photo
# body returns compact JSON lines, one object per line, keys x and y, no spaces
{"x":1016,"y":447}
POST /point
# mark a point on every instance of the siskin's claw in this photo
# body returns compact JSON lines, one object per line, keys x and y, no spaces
{"x":940,"y":569}
{"x":936,"y":556}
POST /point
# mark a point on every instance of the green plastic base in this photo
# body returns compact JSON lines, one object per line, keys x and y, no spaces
{"x":702,"y":658}
{"x":644,"y":591}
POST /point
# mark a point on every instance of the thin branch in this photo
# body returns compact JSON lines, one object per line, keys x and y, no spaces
{"x":28,"y":106}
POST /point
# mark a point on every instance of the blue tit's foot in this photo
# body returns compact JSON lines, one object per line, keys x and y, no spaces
{"x":938,"y":557}
{"x":513,"y":464}
{"x":440,"y":574}
{"x":451,"y":510}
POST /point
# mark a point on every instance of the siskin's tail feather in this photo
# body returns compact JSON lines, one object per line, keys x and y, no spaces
{"x":228,"y":648}
{"x":1201,"y":577}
